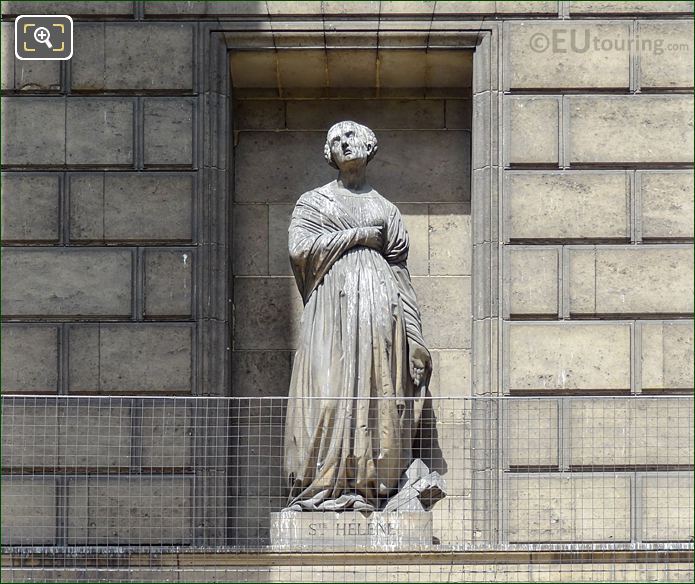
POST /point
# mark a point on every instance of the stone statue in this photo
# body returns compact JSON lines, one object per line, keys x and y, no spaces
{"x":361,"y":337}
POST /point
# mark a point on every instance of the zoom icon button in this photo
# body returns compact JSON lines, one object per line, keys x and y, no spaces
{"x":44,"y":37}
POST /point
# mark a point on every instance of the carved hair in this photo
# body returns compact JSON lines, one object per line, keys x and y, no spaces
{"x":361,"y":131}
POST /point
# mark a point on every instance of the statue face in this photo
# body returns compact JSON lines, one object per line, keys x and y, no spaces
{"x":348,"y":146}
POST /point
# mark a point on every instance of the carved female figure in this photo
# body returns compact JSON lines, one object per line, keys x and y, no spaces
{"x":361,"y":337}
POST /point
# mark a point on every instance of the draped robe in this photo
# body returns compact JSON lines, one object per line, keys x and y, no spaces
{"x":360,"y":311}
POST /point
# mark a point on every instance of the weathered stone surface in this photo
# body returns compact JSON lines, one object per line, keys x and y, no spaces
{"x":257,"y":114}
{"x":99,"y":131}
{"x":350,"y":531}
{"x":130,"y":358}
{"x":445,"y":307}
{"x":415,"y":218}
{"x":168,"y":282}
{"x":582,"y":279}
{"x":7,"y":55}
{"x":131,"y":207}
{"x":109,"y":8}
{"x":631,"y":129}
{"x":531,"y":431}
{"x":167,"y":434}
{"x":667,"y":355}
{"x":267,"y":312}
{"x":448,"y":7}
{"x":28,"y":511}
{"x":302,"y":73}
{"x":451,"y":373}
{"x":667,"y":506}
{"x":251,"y":237}
{"x":29,"y":358}
{"x":667,"y":204}
{"x":555,"y":508}
{"x":568,"y":205}
{"x":446,"y":448}
{"x":458,"y":114}
{"x":121,"y":56}
{"x":533,"y":280}
{"x":25,"y":75}
{"x":95,"y":435}
{"x":628,"y":7}
{"x":569,"y":356}
{"x":261,"y":373}
{"x":533,"y":130}
{"x":168,"y":132}
{"x":541,"y":55}
{"x":209,"y":7}
{"x":254,"y":73}
{"x":632,"y":280}
{"x":450,"y":248}
{"x":513,"y":7}
{"x":666,"y":55}
{"x":279,"y":216}
{"x":148,"y":510}
{"x":30,"y":207}
{"x":623,"y":432}
{"x":452,"y":524}
{"x":25,"y":139}
{"x":66,"y":282}
{"x":387,"y":114}
{"x":30,"y":433}
{"x":409,"y":166}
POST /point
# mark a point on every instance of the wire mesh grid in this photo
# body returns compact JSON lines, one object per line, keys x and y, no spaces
{"x":435,"y":489}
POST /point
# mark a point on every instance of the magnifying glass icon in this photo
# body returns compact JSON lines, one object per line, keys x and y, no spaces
{"x":41,"y":35}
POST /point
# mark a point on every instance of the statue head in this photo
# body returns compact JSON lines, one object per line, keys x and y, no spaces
{"x":349,"y":141}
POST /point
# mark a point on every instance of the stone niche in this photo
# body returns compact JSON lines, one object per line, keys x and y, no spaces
{"x":418,"y":102}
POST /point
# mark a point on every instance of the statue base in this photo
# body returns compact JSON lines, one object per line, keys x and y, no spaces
{"x":350,"y":530}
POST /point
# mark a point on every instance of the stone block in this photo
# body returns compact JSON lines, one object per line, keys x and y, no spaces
{"x":532,"y":433}
{"x":637,"y":280}
{"x":402,"y":73}
{"x":99,"y":131}
{"x":413,"y":165}
{"x":458,"y":114}
{"x":168,"y":282}
{"x":115,"y":8}
{"x":29,"y":358}
{"x":582,"y":279}
{"x":544,"y":7}
{"x":667,"y":204}
{"x":562,"y":356}
{"x":130,"y":358}
{"x":254,"y":73}
{"x":667,"y":506}
{"x":533,"y":280}
{"x":351,"y":73}
{"x":623,"y":432}
{"x":454,"y":8}
{"x":252,"y":114}
{"x":131,"y":207}
{"x":251,"y":239}
{"x":629,"y":7}
{"x":130,"y":511}
{"x":261,"y":373}
{"x":666,"y":54}
{"x":302,"y":73}
{"x":445,"y":307}
{"x":447,"y":450}
{"x":450,"y":243}
{"x":452,"y":523}
{"x":26,"y":75}
{"x":30,"y":207}
{"x":631,"y":129}
{"x":564,"y":508}
{"x":122,"y":56}
{"x":667,"y":355}
{"x":28,"y":511}
{"x":568,"y":205}
{"x":166,"y":434}
{"x":33,"y":131}
{"x":279,"y":216}
{"x":95,"y":434}
{"x":168,"y":132}
{"x":30,"y":433}
{"x":67,"y":282}
{"x":451,"y":373}
{"x":543,"y":55}
{"x":383,"y":114}
{"x":533,"y":130}
{"x":267,"y":313}
{"x":415,"y":218}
